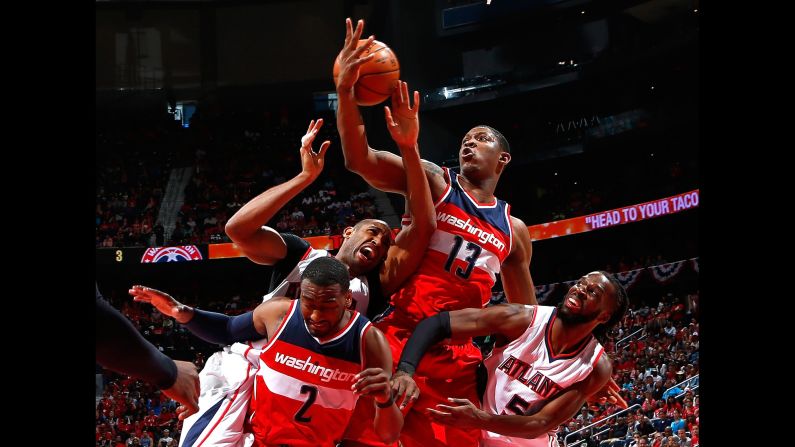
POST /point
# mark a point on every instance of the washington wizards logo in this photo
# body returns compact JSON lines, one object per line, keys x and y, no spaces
{"x":171,"y":254}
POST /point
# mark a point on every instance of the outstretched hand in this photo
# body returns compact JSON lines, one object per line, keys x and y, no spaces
{"x":349,"y":58}
{"x":373,"y":382}
{"x":464,"y":415}
{"x":609,"y":393}
{"x":163,"y":302}
{"x":403,"y":124}
{"x":312,"y":162}
{"x":404,"y":389}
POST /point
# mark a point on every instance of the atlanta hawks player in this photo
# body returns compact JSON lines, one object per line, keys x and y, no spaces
{"x":546,"y":363}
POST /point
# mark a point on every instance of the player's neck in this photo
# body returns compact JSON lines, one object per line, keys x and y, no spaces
{"x":566,"y":336}
{"x":346,"y":318}
{"x":481,"y":190}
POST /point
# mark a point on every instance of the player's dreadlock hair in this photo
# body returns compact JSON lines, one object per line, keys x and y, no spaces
{"x":622,"y":303}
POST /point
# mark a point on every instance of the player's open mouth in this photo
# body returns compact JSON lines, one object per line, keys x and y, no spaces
{"x":367,"y":253}
{"x":573,"y":303}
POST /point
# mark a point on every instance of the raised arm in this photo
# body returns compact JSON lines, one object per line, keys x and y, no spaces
{"x":554,"y":413}
{"x":374,"y":382}
{"x":381,"y":169}
{"x":411,"y":243}
{"x":246,"y":227}
{"x":515,"y":270}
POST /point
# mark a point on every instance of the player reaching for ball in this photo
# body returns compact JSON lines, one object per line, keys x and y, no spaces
{"x":475,"y":239}
{"x":379,"y":72}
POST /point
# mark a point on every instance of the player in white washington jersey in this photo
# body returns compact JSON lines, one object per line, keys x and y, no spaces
{"x":546,"y":363}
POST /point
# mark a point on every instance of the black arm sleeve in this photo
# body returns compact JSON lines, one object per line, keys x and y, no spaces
{"x":430,"y":331}
{"x":120,"y":347}
{"x":223,"y":329}
{"x":296,"y":249}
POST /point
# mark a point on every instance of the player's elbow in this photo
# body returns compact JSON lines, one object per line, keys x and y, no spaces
{"x":352,"y":164}
{"x":537,"y":427}
{"x":358,"y":164}
{"x":232,"y":229}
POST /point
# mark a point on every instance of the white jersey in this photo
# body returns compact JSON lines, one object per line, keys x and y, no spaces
{"x":525,"y":374}
{"x":290,"y":285}
{"x":227,"y":380}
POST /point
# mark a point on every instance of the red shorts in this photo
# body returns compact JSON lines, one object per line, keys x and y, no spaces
{"x":444,"y":371}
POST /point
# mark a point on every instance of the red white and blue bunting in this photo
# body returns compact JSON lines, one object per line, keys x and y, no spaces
{"x":662,"y":273}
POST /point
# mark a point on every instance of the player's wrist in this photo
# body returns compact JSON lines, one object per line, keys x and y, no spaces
{"x":386,"y":404}
{"x":185,"y":314}
{"x":345,"y":91}
{"x":405,"y":368}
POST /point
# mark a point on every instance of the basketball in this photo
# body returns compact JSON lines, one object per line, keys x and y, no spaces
{"x":378,"y":77}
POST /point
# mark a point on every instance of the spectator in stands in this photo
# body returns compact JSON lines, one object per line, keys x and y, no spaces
{"x":694,"y":436}
{"x":585,"y":417}
{"x":634,"y":441}
{"x":678,"y":422}
{"x":616,"y":435}
{"x":645,"y":427}
{"x":146,"y":440}
{"x":166,"y":437}
{"x":681,"y":438}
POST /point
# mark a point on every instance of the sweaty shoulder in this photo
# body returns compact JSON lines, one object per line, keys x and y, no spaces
{"x":437,"y":180}
{"x":602,"y":370}
{"x":272,"y":310}
{"x":517,"y":223}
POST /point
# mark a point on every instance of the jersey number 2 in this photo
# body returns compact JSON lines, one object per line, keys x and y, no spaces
{"x":473,"y":256}
{"x":299,"y":415}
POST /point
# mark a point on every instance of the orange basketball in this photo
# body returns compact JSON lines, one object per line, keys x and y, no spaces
{"x":378,"y":77}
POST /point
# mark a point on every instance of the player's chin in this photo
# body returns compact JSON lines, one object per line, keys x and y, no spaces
{"x":365,"y":264}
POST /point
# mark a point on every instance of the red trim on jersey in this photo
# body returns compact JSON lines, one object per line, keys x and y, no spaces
{"x":601,"y":351}
{"x":575,"y":350}
{"x":340,"y":333}
{"x":474,"y":200}
{"x":362,"y":341}
{"x":308,"y":250}
{"x":533,"y":320}
{"x":447,"y":188}
{"x":228,"y":406}
{"x":510,"y":226}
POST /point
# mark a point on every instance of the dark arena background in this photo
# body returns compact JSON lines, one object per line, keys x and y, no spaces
{"x":201,"y":105}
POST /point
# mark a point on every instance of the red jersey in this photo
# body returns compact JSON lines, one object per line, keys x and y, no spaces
{"x":302,"y":394}
{"x":464,"y":255}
